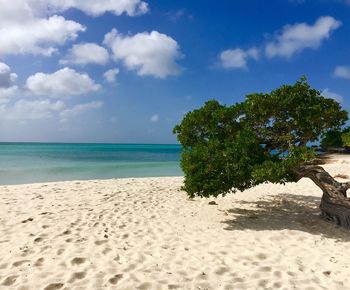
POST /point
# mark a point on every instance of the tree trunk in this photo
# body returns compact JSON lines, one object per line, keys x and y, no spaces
{"x":335,"y":206}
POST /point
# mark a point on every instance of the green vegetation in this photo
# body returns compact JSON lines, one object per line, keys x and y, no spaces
{"x":345,"y":137}
{"x":332,"y":138}
{"x":262,"y":139}
{"x":336,"y":138}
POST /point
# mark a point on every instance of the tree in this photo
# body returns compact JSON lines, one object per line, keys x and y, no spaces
{"x":345,"y":137}
{"x":336,"y":138}
{"x":263,"y":139}
{"x":332,"y":138}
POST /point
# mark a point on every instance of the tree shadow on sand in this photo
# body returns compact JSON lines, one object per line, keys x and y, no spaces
{"x":283,"y":212}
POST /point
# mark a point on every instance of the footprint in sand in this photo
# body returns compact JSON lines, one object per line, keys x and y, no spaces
{"x":3,"y":266}
{"x":20,"y":263}
{"x":39,"y":262}
{"x":77,"y":276}
{"x":66,"y":232}
{"x":9,"y":280}
{"x":60,"y":252}
{"x":115,"y":279}
{"x":78,"y":261}
{"x":106,"y":251}
{"x":221,"y":271}
{"x":98,"y":243}
{"x":277,"y":285}
{"x":277,"y":274}
{"x":173,"y":286}
{"x":54,"y":286}
{"x":38,"y":240}
{"x":147,"y":285}
{"x":265,"y":269}
{"x":261,"y":256}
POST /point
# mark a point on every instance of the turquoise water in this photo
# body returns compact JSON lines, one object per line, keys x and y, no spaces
{"x":45,"y":162}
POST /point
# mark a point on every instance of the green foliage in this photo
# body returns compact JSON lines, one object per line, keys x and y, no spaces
{"x":332,"y":138}
{"x":336,"y":138}
{"x":261,"y":139}
{"x":345,"y":137}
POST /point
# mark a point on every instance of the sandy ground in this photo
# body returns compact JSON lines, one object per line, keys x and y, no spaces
{"x":146,"y":234}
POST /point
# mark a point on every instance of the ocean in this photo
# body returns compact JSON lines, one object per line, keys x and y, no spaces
{"x":45,"y":162}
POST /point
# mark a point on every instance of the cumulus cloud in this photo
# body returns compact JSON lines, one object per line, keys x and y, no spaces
{"x":7,"y":78}
{"x":155,"y":118}
{"x":24,"y":30}
{"x":34,"y":26}
{"x":331,"y":95}
{"x":295,"y":38}
{"x":342,"y":72}
{"x":97,"y":8}
{"x":153,"y":53}
{"x":86,"y":53}
{"x":90,"y":7}
{"x":62,"y":83}
{"x":27,"y":110}
{"x":67,"y":114}
{"x":111,"y":75}
{"x":6,"y":93}
{"x":30,"y":110}
{"x":237,"y":58}
{"x":7,"y":82}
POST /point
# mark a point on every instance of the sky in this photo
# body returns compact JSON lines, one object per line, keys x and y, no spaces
{"x":126,"y":71}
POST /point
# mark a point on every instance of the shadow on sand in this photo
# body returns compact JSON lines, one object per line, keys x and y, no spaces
{"x":281,"y":212}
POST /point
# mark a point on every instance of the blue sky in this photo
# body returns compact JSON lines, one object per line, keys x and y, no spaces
{"x":126,"y":71}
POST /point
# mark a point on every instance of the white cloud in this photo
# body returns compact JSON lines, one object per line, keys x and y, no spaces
{"x":67,"y":114}
{"x":237,"y":58}
{"x":295,"y":38}
{"x":62,"y":83}
{"x":152,"y":53}
{"x":5,"y":93}
{"x":16,"y":9}
{"x":7,"y":79}
{"x":7,"y":82}
{"x":342,"y":72}
{"x":96,"y":8}
{"x":86,"y":53}
{"x":111,"y":75}
{"x":34,"y":26}
{"x":331,"y":95}
{"x":23,"y":29}
{"x":155,"y":118}
{"x":30,"y":110}
{"x":27,"y":110}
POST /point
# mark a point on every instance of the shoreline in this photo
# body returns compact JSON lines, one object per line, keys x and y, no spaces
{"x":145,"y":233}
{"x":87,"y":180}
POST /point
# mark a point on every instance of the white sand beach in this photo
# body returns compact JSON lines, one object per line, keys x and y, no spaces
{"x":145,"y":233}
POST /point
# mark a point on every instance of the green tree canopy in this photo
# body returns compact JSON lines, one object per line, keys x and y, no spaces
{"x":261,"y":139}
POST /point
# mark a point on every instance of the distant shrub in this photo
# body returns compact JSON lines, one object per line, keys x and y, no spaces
{"x":332,"y":138}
